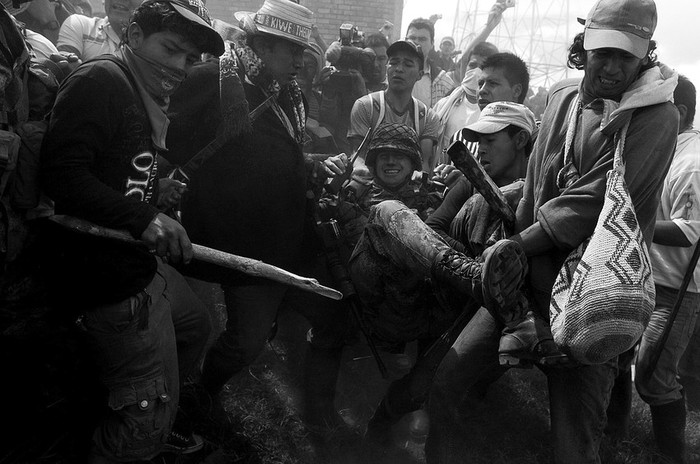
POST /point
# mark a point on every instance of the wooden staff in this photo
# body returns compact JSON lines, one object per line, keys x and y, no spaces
{"x":474,"y":172}
{"x":248,"y":266}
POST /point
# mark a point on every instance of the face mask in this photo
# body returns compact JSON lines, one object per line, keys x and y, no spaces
{"x":160,"y":81}
{"x":470,"y":84}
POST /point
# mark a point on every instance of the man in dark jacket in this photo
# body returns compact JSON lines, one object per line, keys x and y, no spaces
{"x":252,"y":198}
{"x":99,"y":163}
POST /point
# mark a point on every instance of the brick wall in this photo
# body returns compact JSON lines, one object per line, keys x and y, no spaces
{"x":367,"y":15}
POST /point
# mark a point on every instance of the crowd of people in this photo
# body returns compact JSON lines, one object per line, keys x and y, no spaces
{"x":159,"y":127}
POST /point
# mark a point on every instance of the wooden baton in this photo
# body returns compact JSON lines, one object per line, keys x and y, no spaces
{"x":248,"y":266}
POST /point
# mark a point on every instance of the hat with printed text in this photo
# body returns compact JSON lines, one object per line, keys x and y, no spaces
{"x":196,"y":12}
{"x":497,"y":116}
{"x":280,"y":18}
{"x":623,"y":24}
{"x":406,"y":46}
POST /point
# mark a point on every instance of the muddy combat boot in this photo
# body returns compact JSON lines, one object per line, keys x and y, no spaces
{"x":494,"y":284}
{"x":529,"y":341}
{"x":668,"y":422}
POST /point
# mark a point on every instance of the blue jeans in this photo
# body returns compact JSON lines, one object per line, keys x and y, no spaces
{"x":578,"y":396}
{"x":145,"y":346}
{"x":661,"y":386}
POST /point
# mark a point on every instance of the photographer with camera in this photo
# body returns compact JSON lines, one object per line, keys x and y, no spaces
{"x":352,"y":65}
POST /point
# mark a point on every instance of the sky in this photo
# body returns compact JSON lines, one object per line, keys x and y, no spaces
{"x":677,"y":33}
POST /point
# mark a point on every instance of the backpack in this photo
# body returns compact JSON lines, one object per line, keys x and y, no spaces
{"x":26,"y":98}
{"x":420,"y":111}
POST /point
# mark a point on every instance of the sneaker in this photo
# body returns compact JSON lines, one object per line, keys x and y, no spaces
{"x":183,"y":444}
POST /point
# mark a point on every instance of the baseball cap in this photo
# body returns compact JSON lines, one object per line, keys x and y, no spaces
{"x":406,"y":46}
{"x":497,"y":116}
{"x":624,"y":24}
{"x":195,"y":11}
{"x":395,"y":137}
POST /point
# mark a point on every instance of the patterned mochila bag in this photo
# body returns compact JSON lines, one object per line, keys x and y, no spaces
{"x":604,"y":294}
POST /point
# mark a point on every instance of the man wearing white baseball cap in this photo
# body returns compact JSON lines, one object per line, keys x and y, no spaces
{"x":622,"y":83}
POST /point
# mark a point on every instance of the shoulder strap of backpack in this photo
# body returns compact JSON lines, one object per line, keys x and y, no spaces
{"x":381,"y":102}
{"x":420,"y":111}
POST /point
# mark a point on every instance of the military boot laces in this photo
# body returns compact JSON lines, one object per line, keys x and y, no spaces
{"x":459,"y":272}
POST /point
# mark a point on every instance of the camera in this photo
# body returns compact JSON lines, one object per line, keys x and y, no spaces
{"x":350,"y":35}
{"x":353,"y":54}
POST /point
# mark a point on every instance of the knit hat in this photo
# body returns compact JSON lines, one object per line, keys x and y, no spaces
{"x":497,"y":116}
{"x":281,"y":18}
{"x":624,"y":24}
{"x":398,"y":138}
{"x":196,"y":12}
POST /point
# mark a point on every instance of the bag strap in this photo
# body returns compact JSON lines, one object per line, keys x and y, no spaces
{"x":575,"y":110}
{"x":620,"y":138}
{"x":382,"y":109}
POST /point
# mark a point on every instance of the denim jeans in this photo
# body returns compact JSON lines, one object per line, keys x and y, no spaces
{"x":145,"y":346}
{"x":661,"y":386}
{"x":578,"y":396}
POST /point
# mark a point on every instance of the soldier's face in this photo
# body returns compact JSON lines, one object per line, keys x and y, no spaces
{"x":393,"y":168}
{"x":609,"y":72}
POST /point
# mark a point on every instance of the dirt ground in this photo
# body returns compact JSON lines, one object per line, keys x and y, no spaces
{"x":50,"y":406}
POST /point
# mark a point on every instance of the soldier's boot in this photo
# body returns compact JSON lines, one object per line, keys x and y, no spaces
{"x":527,"y":341}
{"x":495,"y":284}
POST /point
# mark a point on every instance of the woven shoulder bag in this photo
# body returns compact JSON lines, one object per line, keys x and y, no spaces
{"x":604,"y":294}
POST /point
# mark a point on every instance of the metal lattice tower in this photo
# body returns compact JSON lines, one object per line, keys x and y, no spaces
{"x":538,"y":31}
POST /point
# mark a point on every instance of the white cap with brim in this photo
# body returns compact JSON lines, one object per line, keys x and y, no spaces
{"x":497,"y":116}
{"x":623,"y":24}
{"x":605,"y":38}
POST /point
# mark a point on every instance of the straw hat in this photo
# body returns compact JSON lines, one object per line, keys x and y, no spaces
{"x":280,"y":18}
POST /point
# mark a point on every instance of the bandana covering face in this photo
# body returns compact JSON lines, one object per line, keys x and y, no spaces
{"x":160,"y":81}
{"x":256,"y":74}
{"x":155,"y":92}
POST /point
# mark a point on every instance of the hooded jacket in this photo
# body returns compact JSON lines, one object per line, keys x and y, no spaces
{"x":569,"y":217}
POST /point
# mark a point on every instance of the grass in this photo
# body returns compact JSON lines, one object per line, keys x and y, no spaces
{"x":510,"y":425}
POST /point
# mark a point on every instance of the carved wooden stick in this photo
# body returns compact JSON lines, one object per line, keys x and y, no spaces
{"x":481,"y":181}
{"x":248,"y":266}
